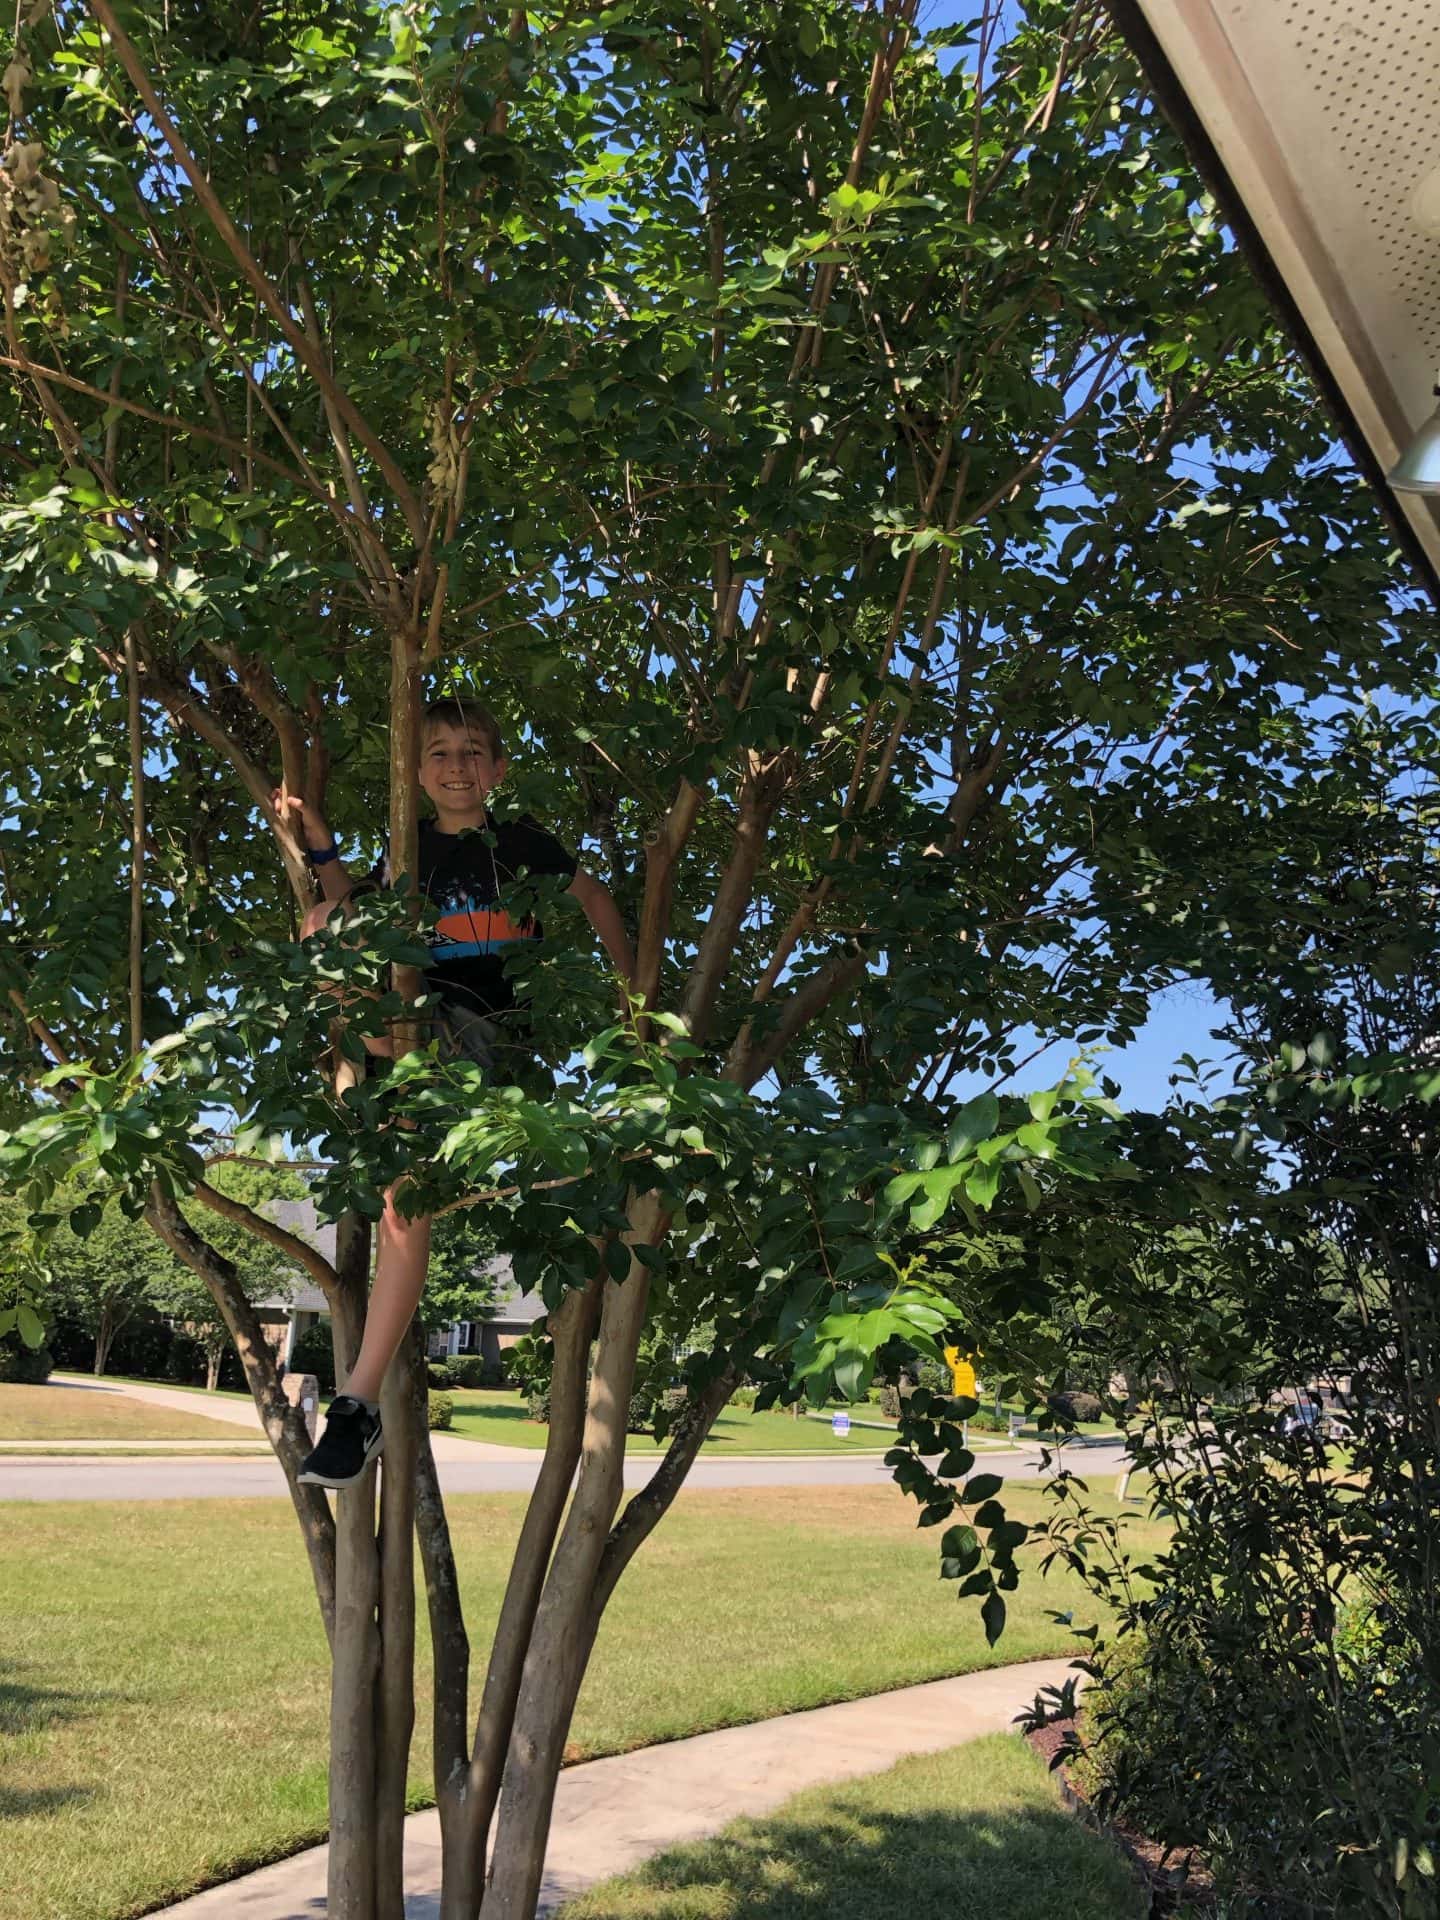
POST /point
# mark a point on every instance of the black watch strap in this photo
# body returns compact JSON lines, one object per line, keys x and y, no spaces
{"x":323,"y":857}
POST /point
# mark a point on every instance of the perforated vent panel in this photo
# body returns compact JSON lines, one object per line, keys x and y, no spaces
{"x":1373,"y":72}
{"x":1326,"y":116}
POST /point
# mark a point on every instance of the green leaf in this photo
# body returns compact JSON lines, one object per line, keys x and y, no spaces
{"x":975,"y":1121}
{"x":30,"y":1325}
{"x":992,"y":1613}
{"x":984,"y":1486}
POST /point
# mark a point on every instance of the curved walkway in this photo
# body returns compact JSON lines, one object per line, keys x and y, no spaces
{"x":610,"y":1815}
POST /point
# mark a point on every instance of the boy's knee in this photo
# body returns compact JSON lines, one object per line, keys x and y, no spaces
{"x":317,"y":916}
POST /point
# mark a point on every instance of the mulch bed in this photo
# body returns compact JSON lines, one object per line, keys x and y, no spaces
{"x":1169,"y":1877}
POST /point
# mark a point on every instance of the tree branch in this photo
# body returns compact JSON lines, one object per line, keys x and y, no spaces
{"x":290,"y":1244}
{"x":305,"y":351}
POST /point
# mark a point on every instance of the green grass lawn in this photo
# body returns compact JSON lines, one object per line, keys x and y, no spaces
{"x":501,"y":1417}
{"x":56,"y":1412}
{"x":977,"y":1830}
{"x":163,"y":1678}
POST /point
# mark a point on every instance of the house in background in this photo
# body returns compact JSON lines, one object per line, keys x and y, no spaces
{"x":287,"y":1314}
{"x":512,"y":1315}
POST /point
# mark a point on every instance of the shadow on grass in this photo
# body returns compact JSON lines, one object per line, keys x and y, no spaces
{"x":28,"y":1709}
{"x":516,"y":1413}
{"x":28,"y":1803}
{"x":854,"y":1862}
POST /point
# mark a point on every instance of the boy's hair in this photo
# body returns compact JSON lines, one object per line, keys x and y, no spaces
{"x":467,"y":716}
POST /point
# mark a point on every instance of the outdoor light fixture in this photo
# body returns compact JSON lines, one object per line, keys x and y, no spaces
{"x":1418,"y":468}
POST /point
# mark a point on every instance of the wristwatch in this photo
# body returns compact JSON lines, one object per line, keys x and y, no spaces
{"x":325,"y":855}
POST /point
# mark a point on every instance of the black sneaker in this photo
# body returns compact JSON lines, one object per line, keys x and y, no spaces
{"x":351,"y":1440}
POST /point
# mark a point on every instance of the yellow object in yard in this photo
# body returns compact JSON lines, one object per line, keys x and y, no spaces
{"x":962,"y":1373}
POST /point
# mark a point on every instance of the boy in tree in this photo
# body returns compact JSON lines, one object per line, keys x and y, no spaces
{"x":465,"y":876}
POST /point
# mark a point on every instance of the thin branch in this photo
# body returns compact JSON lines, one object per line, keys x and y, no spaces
{"x":298,"y":1250}
{"x":306,"y":352}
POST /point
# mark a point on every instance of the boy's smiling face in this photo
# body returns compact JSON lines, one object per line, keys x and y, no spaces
{"x":458,"y":769}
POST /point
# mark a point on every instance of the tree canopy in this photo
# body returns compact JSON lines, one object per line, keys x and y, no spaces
{"x":862,"y":475}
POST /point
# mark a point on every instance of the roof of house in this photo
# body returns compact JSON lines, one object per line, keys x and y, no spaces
{"x":1315,"y":128}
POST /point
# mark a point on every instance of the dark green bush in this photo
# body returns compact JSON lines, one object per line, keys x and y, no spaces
{"x":314,"y":1353}
{"x":537,"y":1404}
{"x":442,"y":1411}
{"x":440,"y":1376}
{"x":142,"y":1347}
{"x":1075,"y":1406}
{"x":185,"y":1361}
{"x":23,"y":1366}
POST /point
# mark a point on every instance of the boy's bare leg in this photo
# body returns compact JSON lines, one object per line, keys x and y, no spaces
{"x":401,"y":1263}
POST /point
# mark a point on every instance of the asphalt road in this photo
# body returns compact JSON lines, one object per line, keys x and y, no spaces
{"x":231,"y":1479}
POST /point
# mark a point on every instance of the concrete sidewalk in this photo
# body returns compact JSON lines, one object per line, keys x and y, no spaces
{"x":610,"y":1815}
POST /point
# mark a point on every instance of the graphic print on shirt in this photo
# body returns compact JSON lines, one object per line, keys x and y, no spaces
{"x":468,"y":927}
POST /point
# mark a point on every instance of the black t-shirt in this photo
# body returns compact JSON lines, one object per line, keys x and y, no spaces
{"x":464,"y":877}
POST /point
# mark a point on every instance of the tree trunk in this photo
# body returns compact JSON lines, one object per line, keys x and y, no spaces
{"x":212,"y":1369}
{"x":284,"y":1425}
{"x":104,"y":1340}
{"x":354,"y":1672}
{"x":355,"y":1646}
{"x":560,"y":1643}
{"x":465,"y":1825}
{"x":395,"y":1698}
{"x":450,"y":1690}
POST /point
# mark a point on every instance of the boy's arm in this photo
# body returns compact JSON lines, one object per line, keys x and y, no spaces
{"x":313,"y":834}
{"x":604,"y":916}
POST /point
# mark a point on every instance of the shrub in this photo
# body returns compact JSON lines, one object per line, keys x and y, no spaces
{"x":1075,"y":1406}
{"x":313,"y":1353}
{"x":23,"y":1366}
{"x":468,"y":1370}
{"x":142,"y":1347}
{"x":185,"y":1361}
{"x":442,"y":1411}
{"x":537,"y":1404}
{"x":73,"y":1348}
{"x":440,"y":1376}
{"x":743,"y":1399}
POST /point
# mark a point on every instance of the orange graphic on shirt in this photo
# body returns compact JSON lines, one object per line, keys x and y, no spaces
{"x":484,"y":927}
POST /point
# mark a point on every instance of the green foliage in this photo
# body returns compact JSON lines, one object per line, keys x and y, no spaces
{"x":1269,"y":1688}
{"x":1075,"y":1407}
{"x":440,"y":1376}
{"x":314,"y":1352}
{"x":24,"y":1364}
{"x":441,"y":1411}
{"x":461,"y":1284}
{"x":471,"y":1371}
{"x":947,"y":517}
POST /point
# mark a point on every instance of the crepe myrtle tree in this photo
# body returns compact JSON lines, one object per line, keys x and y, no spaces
{"x":848,"y":457}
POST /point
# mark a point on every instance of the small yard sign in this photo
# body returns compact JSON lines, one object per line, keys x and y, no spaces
{"x":840,"y":1425}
